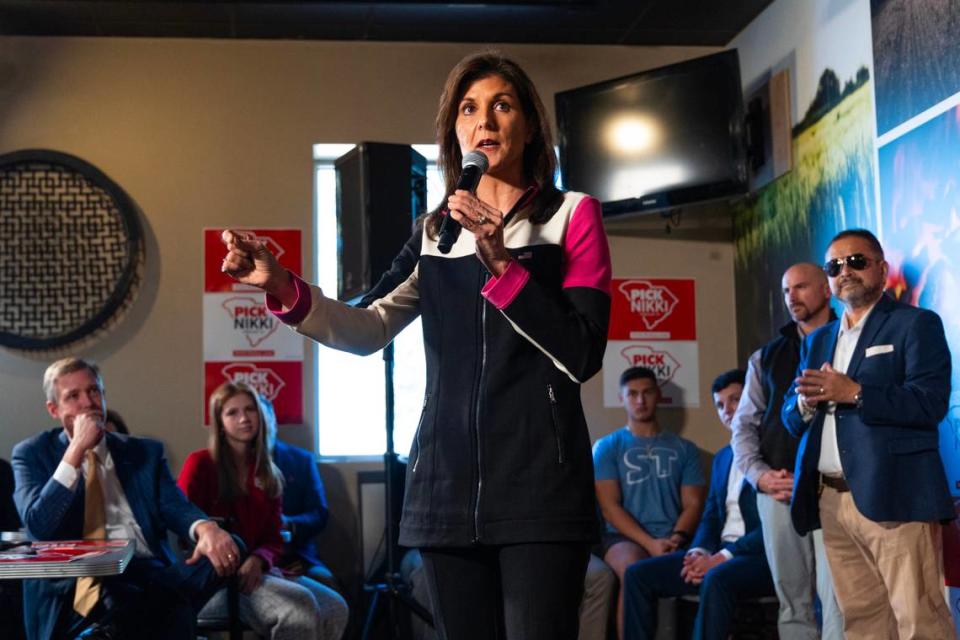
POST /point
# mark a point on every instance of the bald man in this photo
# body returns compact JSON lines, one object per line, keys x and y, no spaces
{"x":766,"y":453}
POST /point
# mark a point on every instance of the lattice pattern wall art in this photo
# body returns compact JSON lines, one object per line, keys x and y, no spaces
{"x":71,"y":250}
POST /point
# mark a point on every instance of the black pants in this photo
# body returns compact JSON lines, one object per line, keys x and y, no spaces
{"x":526,"y":591}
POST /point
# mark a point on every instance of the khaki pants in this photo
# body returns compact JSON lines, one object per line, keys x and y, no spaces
{"x":888,"y":576}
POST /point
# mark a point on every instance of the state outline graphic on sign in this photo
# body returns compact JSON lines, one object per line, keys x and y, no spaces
{"x":629,"y":354}
{"x":651,"y":318}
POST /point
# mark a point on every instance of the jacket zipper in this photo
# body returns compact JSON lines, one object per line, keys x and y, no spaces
{"x":423,"y":411}
{"x":556,"y":423}
{"x":483,"y":362}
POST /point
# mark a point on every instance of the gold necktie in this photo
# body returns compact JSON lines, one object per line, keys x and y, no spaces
{"x":94,"y":528}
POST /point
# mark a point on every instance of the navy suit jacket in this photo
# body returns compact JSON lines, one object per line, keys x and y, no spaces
{"x":304,"y":500}
{"x":50,"y":511}
{"x":889,"y":448}
{"x":715,"y":513}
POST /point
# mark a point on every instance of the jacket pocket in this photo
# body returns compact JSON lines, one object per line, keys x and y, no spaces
{"x":555,"y":415}
{"x":416,"y":437}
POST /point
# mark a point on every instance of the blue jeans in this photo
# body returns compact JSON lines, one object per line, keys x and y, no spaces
{"x":653,"y":578}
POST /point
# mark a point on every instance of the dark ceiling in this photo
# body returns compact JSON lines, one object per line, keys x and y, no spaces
{"x":625,"y":22}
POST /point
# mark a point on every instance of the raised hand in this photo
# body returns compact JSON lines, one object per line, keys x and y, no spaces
{"x":826,"y":384}
{"x":87,"y":431}
{"x":486,"y":224}
{"x":250,"y":262}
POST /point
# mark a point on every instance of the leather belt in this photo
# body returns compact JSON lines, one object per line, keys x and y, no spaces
{"x":838,"y":484}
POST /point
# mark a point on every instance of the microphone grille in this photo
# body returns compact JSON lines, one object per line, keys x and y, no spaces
{"x":476,"y":159}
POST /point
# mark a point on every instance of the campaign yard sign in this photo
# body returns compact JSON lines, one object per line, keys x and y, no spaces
{"x":242,"y":340}
{"x":653,"y":323}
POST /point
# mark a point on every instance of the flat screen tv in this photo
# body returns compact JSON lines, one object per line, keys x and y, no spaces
{"x":656,"y":139}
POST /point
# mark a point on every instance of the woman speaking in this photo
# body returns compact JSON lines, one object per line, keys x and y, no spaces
{"x":499,"y":488}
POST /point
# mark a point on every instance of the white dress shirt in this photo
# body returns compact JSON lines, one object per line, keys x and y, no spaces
{"x":120,"y":523}
{"x":847,"y":338}
{"x":733,"y":527}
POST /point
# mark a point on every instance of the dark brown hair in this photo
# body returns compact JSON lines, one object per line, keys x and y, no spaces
{"x":539,"y":157}
{"x":637,"y":373}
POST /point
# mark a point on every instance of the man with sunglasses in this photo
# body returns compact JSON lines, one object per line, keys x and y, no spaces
{"x":766,"y":452}
{"x":871,"y":390}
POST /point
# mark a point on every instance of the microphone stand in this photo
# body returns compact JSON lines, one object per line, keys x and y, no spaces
{"x":393,"y":588}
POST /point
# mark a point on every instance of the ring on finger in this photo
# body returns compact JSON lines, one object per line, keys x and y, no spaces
{"x":821,"y":390}
{"x":482,"y":219}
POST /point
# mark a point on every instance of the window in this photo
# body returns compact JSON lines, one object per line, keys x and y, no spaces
{"x":350,"y":389}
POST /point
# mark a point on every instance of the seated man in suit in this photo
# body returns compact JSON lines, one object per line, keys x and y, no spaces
{"x":79,"y":481}
{"x":726,"y":559}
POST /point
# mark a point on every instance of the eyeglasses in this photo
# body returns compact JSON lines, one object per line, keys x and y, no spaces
{"x":856,"y":261}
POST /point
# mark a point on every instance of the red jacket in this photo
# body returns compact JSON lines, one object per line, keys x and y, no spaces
{"x":254,"y":517}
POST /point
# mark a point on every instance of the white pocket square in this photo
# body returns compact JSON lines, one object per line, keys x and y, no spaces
{"x":877,"y":349}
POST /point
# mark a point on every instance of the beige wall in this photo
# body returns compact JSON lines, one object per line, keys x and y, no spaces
{"x":212,"y":133}
{"x":710,"y":264}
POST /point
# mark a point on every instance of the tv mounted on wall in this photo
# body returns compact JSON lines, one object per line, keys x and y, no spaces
{"x":657,"y":139}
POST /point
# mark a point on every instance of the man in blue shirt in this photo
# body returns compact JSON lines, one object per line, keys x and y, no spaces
{"x":649,"y":483}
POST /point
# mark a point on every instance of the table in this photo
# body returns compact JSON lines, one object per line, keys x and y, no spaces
{"x":65,"y":559}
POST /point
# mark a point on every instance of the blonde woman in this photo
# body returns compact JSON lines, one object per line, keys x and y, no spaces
{"x":234,"y":479}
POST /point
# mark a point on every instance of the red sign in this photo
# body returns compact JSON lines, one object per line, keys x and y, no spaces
{"x":283,"y":243}
{"x":653,"y":308}
{"x":280,"y":381}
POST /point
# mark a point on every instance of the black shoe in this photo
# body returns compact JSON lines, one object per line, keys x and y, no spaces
{"x":100,"y":631}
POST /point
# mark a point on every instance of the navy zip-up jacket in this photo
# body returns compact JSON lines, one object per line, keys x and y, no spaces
{"x":502,"y":452}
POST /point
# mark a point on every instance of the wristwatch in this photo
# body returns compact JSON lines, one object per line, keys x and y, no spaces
{"x":858,"y":399}
{"x":682,"y":534}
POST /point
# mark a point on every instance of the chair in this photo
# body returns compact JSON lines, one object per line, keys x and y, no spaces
{"x":231,"y":623}
{"x":753,"y":618}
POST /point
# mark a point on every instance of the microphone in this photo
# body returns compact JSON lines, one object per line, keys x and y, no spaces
{"x":475,"y":164}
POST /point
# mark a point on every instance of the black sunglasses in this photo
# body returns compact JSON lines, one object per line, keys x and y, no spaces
{"x":856,"y":261}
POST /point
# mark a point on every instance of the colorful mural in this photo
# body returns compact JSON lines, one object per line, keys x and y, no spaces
{"x":916,"y":79}
{"x":920,"y":192}
{"x":916,"y":56}
{"x":792,"y":219}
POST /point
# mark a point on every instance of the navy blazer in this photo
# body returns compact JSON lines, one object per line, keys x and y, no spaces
{"x":50,"y":511}
{"x":715,"y":513}
{"x":304,"y":500}
{"x":889,"y":448}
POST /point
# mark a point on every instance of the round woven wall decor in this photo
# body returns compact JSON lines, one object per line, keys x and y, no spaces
{"x":71,"y":249}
